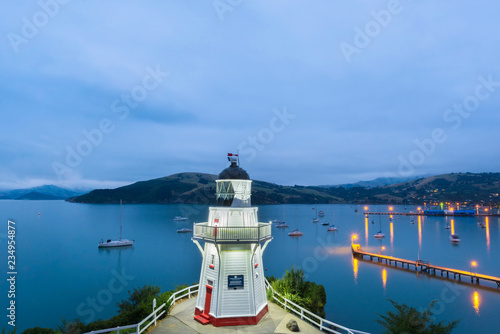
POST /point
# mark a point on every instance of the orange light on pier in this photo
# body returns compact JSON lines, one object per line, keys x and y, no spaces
{"x":354,"y":237}
{"x":475,"y":302}
{"x":366,"y":208}
{"x":384,"y":278}
{"x":452,"y":226}
{"x":391,"y":208}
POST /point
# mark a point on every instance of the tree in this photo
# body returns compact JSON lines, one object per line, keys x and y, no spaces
{"x":408,"y":320}
{"x":295,"y":288}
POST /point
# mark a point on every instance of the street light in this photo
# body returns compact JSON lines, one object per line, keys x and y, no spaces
{"x":381,"y":249}
{"x":354,"y":237}
{"x":473,"y":264}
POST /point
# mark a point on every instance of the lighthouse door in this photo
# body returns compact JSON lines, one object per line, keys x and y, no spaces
{"x":208,"y":299}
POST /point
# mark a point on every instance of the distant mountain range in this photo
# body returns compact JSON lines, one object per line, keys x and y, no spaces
{"x":48,"y":192}
{"x":378,"y":182}
{"x":199,"y":188}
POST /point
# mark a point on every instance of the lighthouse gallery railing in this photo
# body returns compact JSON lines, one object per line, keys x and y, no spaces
{"x":228,"y":234}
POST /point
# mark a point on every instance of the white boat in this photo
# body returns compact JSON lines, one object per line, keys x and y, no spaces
{"x":184,"y":230}
{"x":321,"y":213}
{"x":179,"y":218}
{"x":116,"y":242}
{"x":275,"y":221}
{"x":295,"y":233}
{"x":282,"y":225}
{"x":454,"y":238}
{"x":332,"y":228}
{"x":483,"y":225}
{"x":379,"y":234}
{"x":315,"y":220}
{"x":411,"y":221}
{"x":447,"y":226}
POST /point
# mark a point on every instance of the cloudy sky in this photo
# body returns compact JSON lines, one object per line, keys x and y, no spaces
{"x":105,"y":93}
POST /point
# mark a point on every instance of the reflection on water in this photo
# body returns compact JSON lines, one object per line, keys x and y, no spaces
{"x":420,"y":232}
{"x":452,"y":226}
{"x":355,"y":269}
{"x":366,"y":230}
{"x":384,"y":277}
{"x":475,"y":301}
{"x":488,"y":233}
{"x":392,"y":235}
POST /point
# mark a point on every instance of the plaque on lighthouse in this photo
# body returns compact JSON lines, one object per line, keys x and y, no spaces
{"x":232,"y":241}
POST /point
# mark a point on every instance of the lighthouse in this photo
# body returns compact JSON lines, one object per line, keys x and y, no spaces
{"x":232,"y":287}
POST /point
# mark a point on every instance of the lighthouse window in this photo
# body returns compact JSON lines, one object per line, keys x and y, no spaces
{"x":213,"y":259}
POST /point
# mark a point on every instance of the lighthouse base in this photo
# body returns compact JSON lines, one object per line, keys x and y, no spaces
{"x":230,"y":321}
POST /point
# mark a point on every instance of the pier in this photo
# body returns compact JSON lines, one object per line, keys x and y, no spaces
{"x":421,"y":213}
{"x":423,"y":266}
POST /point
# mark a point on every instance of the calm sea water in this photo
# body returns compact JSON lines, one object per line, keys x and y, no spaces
{"x":62,"y":273}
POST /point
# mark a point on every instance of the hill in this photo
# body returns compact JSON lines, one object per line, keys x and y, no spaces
{"x":378,"y":182}
{"x":41,"y":192}
{"x":199,"y":188}
{"x":34,"y":195}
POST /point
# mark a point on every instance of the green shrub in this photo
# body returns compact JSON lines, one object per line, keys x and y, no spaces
{"x":295,"y":288}
{"x":410,"y":320}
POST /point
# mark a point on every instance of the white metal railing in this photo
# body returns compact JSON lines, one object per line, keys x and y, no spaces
{"x":322,"y":324}
{"x":191,"y":290}
{"x":222,"y":234}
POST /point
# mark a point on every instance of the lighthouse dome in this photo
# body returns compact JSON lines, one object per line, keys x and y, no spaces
{"x":234,"y":172}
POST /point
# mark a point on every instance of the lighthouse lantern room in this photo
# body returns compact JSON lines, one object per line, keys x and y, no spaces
{"x":232,"y":287}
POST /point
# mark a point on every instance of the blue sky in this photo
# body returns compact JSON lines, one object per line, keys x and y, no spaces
{"x":101,"y":94}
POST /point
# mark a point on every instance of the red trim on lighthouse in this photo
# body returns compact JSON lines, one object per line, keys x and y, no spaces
{"x":236,"y":321}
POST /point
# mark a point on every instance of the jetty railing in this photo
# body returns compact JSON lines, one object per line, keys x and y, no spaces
{"x":425,"y":266}
{"x":230,"y":234}
{"x":154,"y":316}
{"x":313,"y":319}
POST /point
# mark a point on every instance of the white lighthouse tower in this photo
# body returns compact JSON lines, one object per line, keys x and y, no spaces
{"x":232,"y":290}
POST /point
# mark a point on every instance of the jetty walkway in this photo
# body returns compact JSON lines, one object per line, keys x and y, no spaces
{"x":423,"y":266}
{"x":421,"y":213}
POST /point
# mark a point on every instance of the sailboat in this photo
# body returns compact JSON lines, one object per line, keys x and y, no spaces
{"x":315,"y":220}
{"x":296,"y":233}
{"x":117,"y":243}
{"x":379,"y":234}
{"x":332,"y":228}
{"x":282,"y":224}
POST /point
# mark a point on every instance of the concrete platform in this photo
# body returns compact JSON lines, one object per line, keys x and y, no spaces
{"x":181,"y":320}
